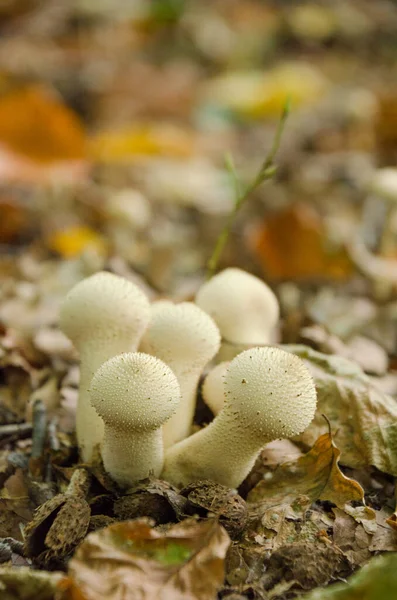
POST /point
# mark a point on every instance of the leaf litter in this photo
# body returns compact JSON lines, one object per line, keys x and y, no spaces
{"x":113,"y":130}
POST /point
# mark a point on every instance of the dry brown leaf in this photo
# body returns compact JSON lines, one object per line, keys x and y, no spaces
{"x":25,"y":584}
{"x":392,"y":520}
{"x":15,"y":220}
{"x":351,"y":538}
{"x":316,"y":475}
{"x":363,"y":417}
{"x":293,"y":245}
{"x":132,"y":560}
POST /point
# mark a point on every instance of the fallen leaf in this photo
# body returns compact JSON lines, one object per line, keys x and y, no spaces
{"x":363,"y":417}
{"x":315,"y":475}
{"x":392,"y":520}
{"x":15,"y":221}
{"x":144,"y":140}
{"x":377,"y":580}
{"x":35,"y":124}
{"x":385,"y":537}
{"x":133,"y":560}
{"x":292,"y":244}
{"x":351,"y":538}
{"x":73,"y":241}
{"x":25,"y":584}
{"x":255,"y":94}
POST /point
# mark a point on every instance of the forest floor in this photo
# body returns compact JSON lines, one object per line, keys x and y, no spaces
{"x":115,"y":119}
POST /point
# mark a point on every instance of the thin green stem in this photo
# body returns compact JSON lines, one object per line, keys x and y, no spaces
{"x":266,"y":172}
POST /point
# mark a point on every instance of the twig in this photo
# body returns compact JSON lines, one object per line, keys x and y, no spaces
{"x":18,"y":429}
{"x":266,"y":172}
{"x":39,"y":420}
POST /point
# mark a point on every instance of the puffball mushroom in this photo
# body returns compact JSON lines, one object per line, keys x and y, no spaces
{"x":270,"y":394}
{"x":103,"y":315}
{"x":186,"y":339}
{"x":212,"y":390}
{"x":134,"y":394}
{"x":244,"y":308}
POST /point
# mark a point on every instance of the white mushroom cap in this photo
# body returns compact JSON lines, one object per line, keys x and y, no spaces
{"x":104,"y":315}
{"x":270,"y":394}
{"x":212,"y":390}
{"x":186,"y":339}
{"x":384,"y":183}
{"x":134,"y":394}
{"x":272,"y":390}
{"x":102,"y":308}
{"x":244,"y":307}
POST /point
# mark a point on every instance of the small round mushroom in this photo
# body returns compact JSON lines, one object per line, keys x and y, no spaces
{"x":270,"y":394}
{"x":186,"y":339}
{"x":244,"y":308}
{"x":212,"y":390}
{"x":103,"y":315}
{"x":134,"y":394}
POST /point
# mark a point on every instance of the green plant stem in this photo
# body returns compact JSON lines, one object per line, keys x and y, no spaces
{"x":266,"y":172}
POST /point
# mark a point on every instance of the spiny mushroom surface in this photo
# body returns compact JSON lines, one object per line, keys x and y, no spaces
{"x":244,"y":308}
{"x":134,"y":394}
{"x":103,"y":315}
{"x":186,"y":339}
{"x":270,"y":394}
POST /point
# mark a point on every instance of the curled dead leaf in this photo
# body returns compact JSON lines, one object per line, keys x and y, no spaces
{"x":315,"y":475}
{"x":363,"y":417}
{"x":133,"y":560}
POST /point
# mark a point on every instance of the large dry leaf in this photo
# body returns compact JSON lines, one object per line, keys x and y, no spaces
{"x":292,"y":244}
{"x":363,"y":417}
{"x":133,"y":561}
{"x":375,"y":581}
{"x":36,"y":125}
{"x":315,"y":475}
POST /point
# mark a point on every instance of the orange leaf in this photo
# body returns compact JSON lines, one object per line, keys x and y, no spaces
{"x":293,"y":245}
{"x":35,"y":124}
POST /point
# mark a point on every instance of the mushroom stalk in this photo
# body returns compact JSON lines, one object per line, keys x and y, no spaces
{"x":269,"y":394}
{"x":142,"y":452}
{"x":135,"y":394}
{"x":104,"y":315}
{"x":215,"y":453}
{"x":186,"y":339}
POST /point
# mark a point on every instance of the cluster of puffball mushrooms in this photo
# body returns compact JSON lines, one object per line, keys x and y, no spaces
{"x":140,"y":369}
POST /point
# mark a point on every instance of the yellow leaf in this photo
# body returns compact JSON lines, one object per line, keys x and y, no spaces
{"x":142,"y":140}
{"x":75,"y":240}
